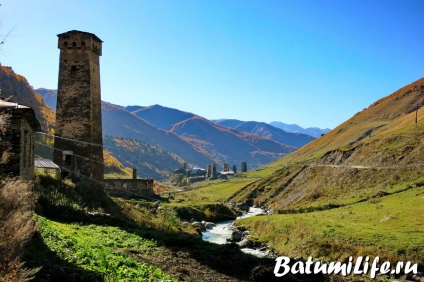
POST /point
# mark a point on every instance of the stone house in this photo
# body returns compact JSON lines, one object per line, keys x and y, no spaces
{"x":130,"y":188}
{"x":18,"y":137}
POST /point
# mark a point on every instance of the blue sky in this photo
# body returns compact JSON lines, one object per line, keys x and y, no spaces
{"x":310,"y":62}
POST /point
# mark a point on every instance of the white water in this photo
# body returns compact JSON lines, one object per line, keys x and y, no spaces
{"x":223,"y":230}
{"x":219,"y":233}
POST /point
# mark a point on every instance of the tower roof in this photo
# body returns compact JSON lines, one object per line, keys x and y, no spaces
{"x":71,"y":32}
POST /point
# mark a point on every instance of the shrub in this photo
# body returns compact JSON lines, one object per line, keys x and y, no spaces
{"x":16,"y":228}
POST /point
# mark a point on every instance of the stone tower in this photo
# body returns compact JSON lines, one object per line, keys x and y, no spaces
{"x":78,"y":112}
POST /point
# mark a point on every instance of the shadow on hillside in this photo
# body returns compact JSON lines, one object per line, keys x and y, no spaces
{"x":37,"y":254}
{"x":187,"y":256}
{"x":184,"y":256}
{"x":227,"y":259}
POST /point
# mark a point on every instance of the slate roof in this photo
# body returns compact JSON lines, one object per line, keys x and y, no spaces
{"x":11,"y":105}
{"x":45,"y":163}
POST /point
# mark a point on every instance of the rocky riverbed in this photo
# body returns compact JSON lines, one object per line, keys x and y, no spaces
{"x":225,"y":232}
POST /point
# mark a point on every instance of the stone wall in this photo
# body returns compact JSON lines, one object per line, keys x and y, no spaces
{"x":129,"y":188}
{"x":20,"y":137}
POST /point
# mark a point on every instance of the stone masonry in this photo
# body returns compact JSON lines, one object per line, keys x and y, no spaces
{"x":78,"y":114}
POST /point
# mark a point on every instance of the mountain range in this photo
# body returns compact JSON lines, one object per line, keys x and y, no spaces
{"x":173,"y":136}
{"x":268,"y":131}
{"x":189,"y":137}
{"x":221,"y":143}
{"x":294,"y":128}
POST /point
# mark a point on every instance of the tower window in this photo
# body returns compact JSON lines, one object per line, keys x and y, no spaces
{"x":83,"y":44}
{"x":65,"y":44}
{"x":74,"y":44}
{"x":73,"y":68}
{"x":67,"y":159}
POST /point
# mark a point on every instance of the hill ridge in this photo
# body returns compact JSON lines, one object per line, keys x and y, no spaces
{"x":375,"y":151}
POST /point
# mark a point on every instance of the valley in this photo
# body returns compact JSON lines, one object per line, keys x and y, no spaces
{"x":186,"y":137}
{"x":354,"y":191}
{"x":239,"y":141}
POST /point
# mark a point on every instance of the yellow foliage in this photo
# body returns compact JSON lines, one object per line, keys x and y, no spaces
{"x":110,"y":161}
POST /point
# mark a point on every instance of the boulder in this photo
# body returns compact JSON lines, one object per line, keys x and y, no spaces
{"x":236,"y":236}
{"x":245,"y":243}
{"x":243,"y":206}
{"x":209,"y":225}
{"x":198,"y":224}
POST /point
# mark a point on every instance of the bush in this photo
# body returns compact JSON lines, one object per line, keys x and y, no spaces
{"x":16,"y":228}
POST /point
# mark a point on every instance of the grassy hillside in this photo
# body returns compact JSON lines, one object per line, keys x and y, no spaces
{"x":382,"y":116}
{"x":358,"y":190}
{"x":375,"y":151}
{"x":85,"y":234}
{"x":390,"y":227}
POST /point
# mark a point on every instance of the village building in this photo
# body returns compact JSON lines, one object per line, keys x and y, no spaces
{"x":226,"y":167}
{"x":244,"y":167}
{"x":47,"y":167}
{"x":18,"y":137}
{"x":130,"y":188}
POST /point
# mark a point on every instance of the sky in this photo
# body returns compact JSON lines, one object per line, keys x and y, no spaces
{"x":308,"y":62}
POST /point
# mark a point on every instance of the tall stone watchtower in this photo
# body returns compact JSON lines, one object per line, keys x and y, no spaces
{"x":78,"y":112}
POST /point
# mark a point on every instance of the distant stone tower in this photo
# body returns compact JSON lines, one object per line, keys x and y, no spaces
{"x":244,"y":167}
{"x":226,"y":168}
{"x":78,"y":112}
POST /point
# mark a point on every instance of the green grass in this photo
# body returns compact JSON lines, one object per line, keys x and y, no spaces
{"x":210,"y":194}
{"x":218,"y":191}
{"x":390,"y":227}
{"x":101,"y":250}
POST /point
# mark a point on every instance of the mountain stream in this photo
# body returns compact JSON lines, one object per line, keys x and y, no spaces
{"x":223,"y":230}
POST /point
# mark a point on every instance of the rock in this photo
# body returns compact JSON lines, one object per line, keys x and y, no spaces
{"x":198,"y":224}
{"x":417,"y":277}
{"x":245,"y":243}
{"x":209,"y":225}
{"x":236,"y":236}
{"x":243,"y":206}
